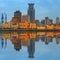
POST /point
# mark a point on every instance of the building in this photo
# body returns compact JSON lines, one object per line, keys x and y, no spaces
{"x":46,"y":21}
{"x":31,"y":12}
{"x":24,"y":25}
{"x":17,"y":14}
{"x":37,"y":22}
{"x":43,"y":22}
{"x":16,"y":20}
{"x":6,"y":25}
{"x":57,"y":20}
{"x":33,"y":26}
{"x":14,"y":23}
{"x":25,"y":18}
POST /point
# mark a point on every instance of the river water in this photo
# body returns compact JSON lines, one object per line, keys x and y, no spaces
{"x":30,"y":46}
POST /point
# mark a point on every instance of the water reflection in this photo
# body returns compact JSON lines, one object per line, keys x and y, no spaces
{"x":28,"y":39}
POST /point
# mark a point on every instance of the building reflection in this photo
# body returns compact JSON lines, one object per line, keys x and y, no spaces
{"x":31,"y":48}
{"x":28,"y":39}
{"x":16,"y":42}
{"x":47,"y":40}
{"x":3,"y":42}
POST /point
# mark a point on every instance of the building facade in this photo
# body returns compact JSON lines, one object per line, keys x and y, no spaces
{"x":25,"y":18}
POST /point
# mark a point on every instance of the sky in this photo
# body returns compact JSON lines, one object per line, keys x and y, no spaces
{"x":43,"y":8}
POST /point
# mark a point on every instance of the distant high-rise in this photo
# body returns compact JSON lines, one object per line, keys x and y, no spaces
{"x":57,"y":20}
{"x":47,"y":20}
{"x":31,"y":12}
{"x":37,"y":22}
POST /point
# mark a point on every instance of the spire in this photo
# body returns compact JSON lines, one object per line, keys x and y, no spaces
{"x":2,"y":18}
{"x":5,"y":17}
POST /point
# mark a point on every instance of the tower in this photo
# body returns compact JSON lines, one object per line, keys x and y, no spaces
{"x":17,"y":15}
{"x":31,"y":12}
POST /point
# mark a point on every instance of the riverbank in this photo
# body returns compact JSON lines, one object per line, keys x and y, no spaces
{"x":35,"y":30}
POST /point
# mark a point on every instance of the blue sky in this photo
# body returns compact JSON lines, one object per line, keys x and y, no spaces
{"x":43,"y":8}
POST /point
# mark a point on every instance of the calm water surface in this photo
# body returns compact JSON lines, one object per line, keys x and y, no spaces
{"x":30,"y":46}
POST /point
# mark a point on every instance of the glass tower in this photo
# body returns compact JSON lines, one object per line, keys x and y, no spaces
{"x":31,"y":12}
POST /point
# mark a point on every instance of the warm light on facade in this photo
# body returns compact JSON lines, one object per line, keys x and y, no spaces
{"x":33,"y":25}
{"x":6,"y":36}
{"x":41,"y":27}
{"x":14,"y":25}
{"x":49,"y":34}
{"x":57,"y":27}
{"x":23,"y":36}
{"x":41,"y":33}
{"x":6,"y":25}
{"x":32,"y":35}
{"x":50,"y":26}
{"x":24,"y":25}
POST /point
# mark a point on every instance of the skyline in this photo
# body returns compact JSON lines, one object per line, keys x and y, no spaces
{"x":26,"y":34}
{"x":42,"y":8}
